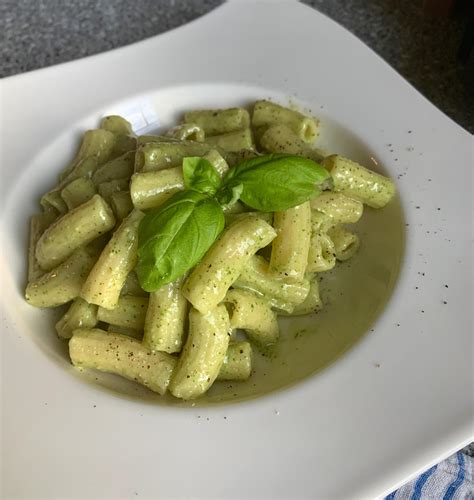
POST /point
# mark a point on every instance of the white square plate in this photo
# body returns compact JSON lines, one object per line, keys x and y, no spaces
{"x":396,"y":403}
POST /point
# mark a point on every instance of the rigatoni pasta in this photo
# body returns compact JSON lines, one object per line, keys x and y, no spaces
{"x":345,"y":242}
{"x":268,"y":114}
{"x":237,"y":364}
{"x":225,"y":261}
{"x":63,"y":283}
{"x":165,"y":319}
{"x":254,"y":315}
{"x":117,"y":260}
{"x":177,"y":252}
{"x":219,"y":121}
{"x":187,"y":132}
{"x":311,"y":304}
{"x":129,"y":312}
{"x":322,"y":254}
{"x":233,"y":141}
{"x":80,"y":314}
{"x":203,"y":353}
{"x":290,"y":248}
{"x":121,"y":204}
{"x":158,"y":155}
{"x":340,"y":208}
{"x":282,"y":295}
{"x":281,"y":139}
{"x":77,"y":228}
{"x":355,"y":180}
{"x":38,"y":224}
{"x":78,"y":192}
{"x":121,"y":354}
{"x":97,"y":143}
{"x":118,"y":168}
{"x":152,"y":189}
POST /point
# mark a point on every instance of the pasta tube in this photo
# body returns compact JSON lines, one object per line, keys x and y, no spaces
{"x":219,"y":121}
{"x":160,"y":155}
{"x":77,"y":228}
{"x":54,"y":201}
{"x":233,"y":141}
{"x":237,"y":363}
{"x":121,"y":204}
{"x":38,"y":224}
{"x":120,"y":354}
{"x":165,"y":318}
{"x":203,"y":353}
{"x":254,"y":315}
{"x":311,"y":304}
{"x":290,"y":248}
{"x":322,"y":254}
{"x":346,"y":243}
{"x":152,"y":189}
{"x":130,"y":312}
{"x":118,"y":168}
{"x":281,"y":295}
{"x":84,"y":168}
{"x":98,"y":143}
{"x":340,"y":208}
{"x":107,"y":189}
{"x":223,"y":263}
{"x":116,"y":124}
{"x":117,"y":260}
{"x":61,"y":284}
{"x":281,"y":139}
{"x":79,"y":315}
{"x":187,"y":132}
{"x":267,"y":114}
{"x":217,"y":161}
{"x":78,"y":192}
{"x":359,"y":182}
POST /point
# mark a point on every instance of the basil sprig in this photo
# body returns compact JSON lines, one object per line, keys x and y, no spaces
{"x":175,"y":236}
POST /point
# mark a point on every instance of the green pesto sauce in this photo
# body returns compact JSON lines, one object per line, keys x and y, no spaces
{"x":354,"y":294}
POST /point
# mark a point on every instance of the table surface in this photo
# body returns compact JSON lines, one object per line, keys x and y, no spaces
{"x":422,"y":48}
{"x":39,"y":33}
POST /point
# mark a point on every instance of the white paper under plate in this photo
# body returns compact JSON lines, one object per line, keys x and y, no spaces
{"x":398,"y":401}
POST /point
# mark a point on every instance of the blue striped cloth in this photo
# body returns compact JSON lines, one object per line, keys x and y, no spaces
{"x":449,"y":480}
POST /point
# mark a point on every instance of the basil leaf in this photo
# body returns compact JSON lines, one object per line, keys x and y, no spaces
{"x":175,"y":236}
{"x":275,"y":182}
{"x":199,"y":174}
